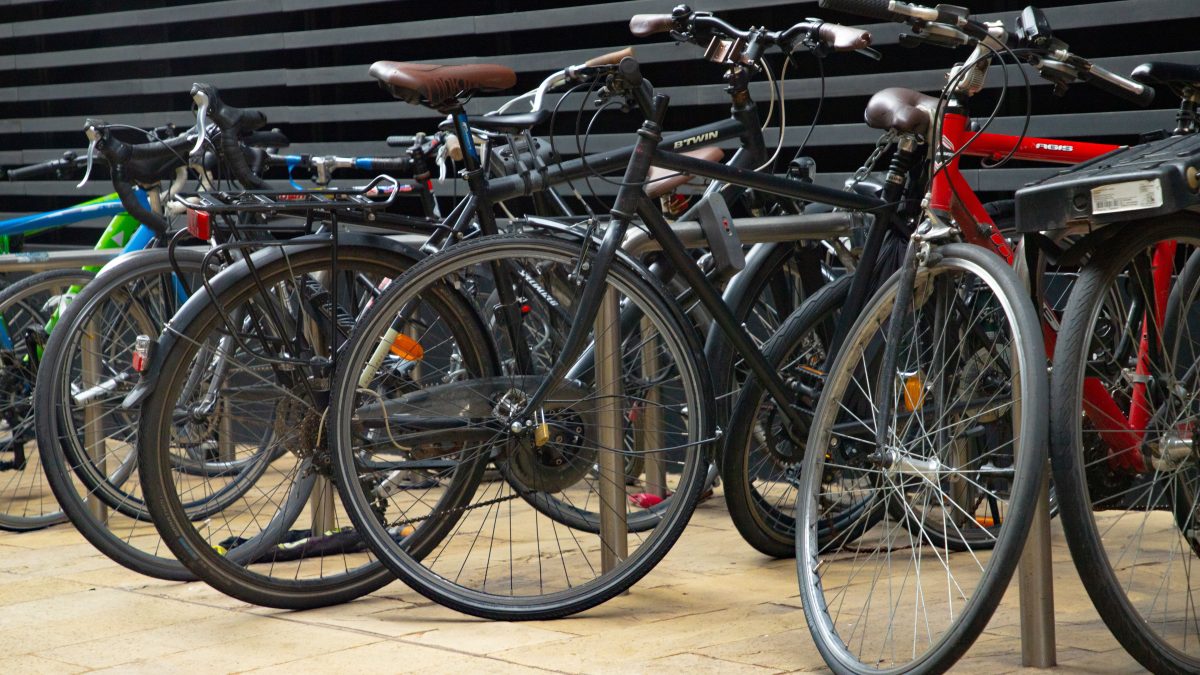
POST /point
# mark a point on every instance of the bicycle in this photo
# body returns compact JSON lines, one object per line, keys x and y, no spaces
{"x":491,"y":394}
{"x":1123,"y":416}
{"x":927,"y":427}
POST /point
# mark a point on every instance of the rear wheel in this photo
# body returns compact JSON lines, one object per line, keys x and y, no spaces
{"x":241,"y":387}
{"x":762,"y":455}
{"x":480,"y":511}
{"x":1128,"y":468}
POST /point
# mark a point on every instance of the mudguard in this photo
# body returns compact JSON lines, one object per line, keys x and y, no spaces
{"x":233,"y":274}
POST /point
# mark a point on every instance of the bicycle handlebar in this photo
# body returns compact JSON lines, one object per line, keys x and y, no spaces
{"x":133,"y":162}
{"x":688,"y":25}
{"x":609,"y":59}
{"x":1050,"y":56}
{"x":232,"y":122}
{"x":55,"y":167}
{"x":1117,"y":85}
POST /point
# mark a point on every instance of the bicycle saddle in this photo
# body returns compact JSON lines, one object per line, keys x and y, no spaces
{"x":437,"y":86}
{"x":901,"y":109}
{"x":509,"y":124}
{"x":1180,"y":78}
{"x":661,"y":181}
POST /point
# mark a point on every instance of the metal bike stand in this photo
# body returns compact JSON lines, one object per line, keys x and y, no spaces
{"x":1035,"y":581}
{"x":321,"y":506}
{"x":226,"y":450}
{"x":649,"y":423}
{"x":1036,"y":586}
{"x":614,"y":526}
{"x":321,"y":503}
{"x":93,"y":438}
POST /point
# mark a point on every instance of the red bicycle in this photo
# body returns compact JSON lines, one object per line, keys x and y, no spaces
{"x":928,"y":412}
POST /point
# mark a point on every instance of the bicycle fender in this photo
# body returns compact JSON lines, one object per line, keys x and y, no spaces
{"x":226,"y":279}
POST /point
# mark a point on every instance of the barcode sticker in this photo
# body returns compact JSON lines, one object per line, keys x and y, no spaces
{"x":1132,"y":196}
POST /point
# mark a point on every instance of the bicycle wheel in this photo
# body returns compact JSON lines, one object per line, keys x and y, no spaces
{"x":1127,"y":467}
{"x":243,"y":385}
{"x":760,"y":463}
{"x":960,"y":474}
{"x":27,"y":309}
{"x":87,"y":440}
{"x":483,"y":513}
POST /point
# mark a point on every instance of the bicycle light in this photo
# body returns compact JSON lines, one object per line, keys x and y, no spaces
{"x":198,"y":224}
{"x":142,"y":348}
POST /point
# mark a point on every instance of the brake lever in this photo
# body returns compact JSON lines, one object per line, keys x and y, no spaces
{"x":201,"y":99}
{"x":873,"y":54}
{"x":93,"y":137}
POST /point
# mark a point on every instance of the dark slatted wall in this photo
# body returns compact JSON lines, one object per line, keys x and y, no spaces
{"x":304,"y":62}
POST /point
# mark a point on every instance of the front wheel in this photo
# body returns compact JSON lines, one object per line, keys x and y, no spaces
{"x":942,"y":509}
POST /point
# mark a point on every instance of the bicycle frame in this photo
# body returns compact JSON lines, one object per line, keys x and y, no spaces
{"x":951,"y":194}
{"x":123,"y":231}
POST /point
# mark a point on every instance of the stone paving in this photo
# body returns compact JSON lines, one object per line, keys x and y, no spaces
{"x":714,"y":605}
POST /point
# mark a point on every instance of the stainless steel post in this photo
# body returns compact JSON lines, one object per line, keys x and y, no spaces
{"x":614,"y":526}
{"x":1036,"y":585}
{"x":649,"y":423}
{"x":93,"y":416}
{"x":1035,"y":579}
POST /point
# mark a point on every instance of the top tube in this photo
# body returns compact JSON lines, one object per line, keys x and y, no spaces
{"x":103,"y":207}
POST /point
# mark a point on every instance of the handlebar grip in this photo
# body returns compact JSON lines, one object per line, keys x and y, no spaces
{"x":397,"y":164}
{"x":610,"y":59}
{"x":1139,"y":94}
{"x":133,"y":205}
{"x":401,"y":141}
{"x":643,"y":25}
{"x":37,"y":170}
{"x":843,"y":38}
{"x":874,"y":9}
{"x":454,"y":148}
{"x":231,"y":152}
{"x":266,"y":139}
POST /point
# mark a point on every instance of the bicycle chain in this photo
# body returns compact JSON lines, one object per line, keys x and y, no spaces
{"x":380,"y":505}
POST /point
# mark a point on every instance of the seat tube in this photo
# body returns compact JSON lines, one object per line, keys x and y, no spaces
{"x":631,"y":191}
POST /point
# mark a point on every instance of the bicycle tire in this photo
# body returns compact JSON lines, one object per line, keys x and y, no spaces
{"x":129,"y":294}
{"x":754,"y":460}
{"x":422,"y":561}
{"x":1015,"y":376}
{"x":26,"y":500}
{"x":270,"y":576}
{"x":1111,"y":511}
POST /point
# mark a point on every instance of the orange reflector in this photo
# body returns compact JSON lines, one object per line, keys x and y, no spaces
{"x":407,"y":530}
{"x":914,"y":392}
{"x":985,"y":521}
{"x":407,"y":348}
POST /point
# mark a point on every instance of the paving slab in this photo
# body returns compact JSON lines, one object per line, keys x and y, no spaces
{"x":713,"y":606}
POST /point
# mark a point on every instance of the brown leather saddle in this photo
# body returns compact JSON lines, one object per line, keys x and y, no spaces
{"x":903,"y":110}
{"x":440,"y":87}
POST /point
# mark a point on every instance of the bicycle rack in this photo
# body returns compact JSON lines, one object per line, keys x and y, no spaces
{"x":1035,"y":581}
{"x":614,"y":528}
